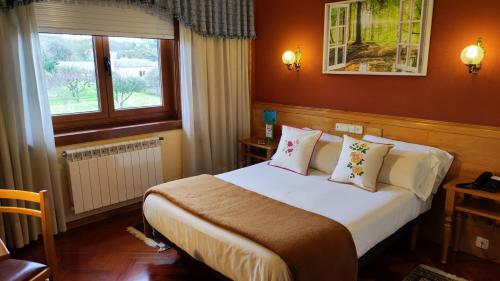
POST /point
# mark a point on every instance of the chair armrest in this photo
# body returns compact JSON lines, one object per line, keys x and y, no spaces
{"x":4,"y":252}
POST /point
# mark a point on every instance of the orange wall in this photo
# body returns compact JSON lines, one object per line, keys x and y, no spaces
{"x":447,"y":93}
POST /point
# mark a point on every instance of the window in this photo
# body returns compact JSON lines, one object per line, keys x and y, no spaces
{"x":409,"y":35}
{"x":68,"y":61}
{"x":103,"y":80}
{"x":337,"y":38}
{"x":135,"y":72}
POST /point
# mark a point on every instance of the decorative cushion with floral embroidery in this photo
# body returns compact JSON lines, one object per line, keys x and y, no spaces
{"x":360,"y":163}
{"x":295,"y":149}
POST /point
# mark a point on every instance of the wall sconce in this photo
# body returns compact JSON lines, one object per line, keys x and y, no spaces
{"x":472,"y":56}
{"x":292,"y":59}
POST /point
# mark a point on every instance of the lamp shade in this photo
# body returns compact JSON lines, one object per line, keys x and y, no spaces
{"x":472,"y":54}
{"x":288,"y":57}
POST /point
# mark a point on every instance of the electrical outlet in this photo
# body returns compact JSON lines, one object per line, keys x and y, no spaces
{"x":482,"y":242}
{"x":349,"y":128}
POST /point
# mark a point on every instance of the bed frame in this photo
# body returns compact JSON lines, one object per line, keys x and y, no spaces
{"x":465,"y":141}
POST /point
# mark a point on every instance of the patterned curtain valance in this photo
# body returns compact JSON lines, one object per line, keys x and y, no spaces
{"x":217,"y":18}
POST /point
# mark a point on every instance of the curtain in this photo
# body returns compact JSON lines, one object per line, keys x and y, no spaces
{"x":215,"y":18}
{"x":27,"y":149}
{"x":215,"y":101}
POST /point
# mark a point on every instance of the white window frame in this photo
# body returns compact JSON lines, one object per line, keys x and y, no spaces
{"x":337,"y":45}
{"x":406,"y":66}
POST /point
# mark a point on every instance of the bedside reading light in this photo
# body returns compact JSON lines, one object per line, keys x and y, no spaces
{"x":292,"y":59}
{"x":472,"y":56}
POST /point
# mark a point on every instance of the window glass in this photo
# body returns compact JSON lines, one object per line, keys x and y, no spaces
{"x":415,"y":34}
{"x":135,"y":68}
{"x":406,"y":10}
{"x":342,"y":15}
{"x":405,"y":33}
{"x":402,"y":55}
{"x":414,"y":56}
{"x":333,"y":17}
{"x":331,"y":57}
{"x":417,"y":9}
{"x":340,"y":55}
{"x":333,"y":36}
{"x":69,"y":67}
{"x":340,"y":35}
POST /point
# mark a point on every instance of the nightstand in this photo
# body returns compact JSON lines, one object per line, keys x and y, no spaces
{"x":470,"y":201}
{"x":255,"y":150}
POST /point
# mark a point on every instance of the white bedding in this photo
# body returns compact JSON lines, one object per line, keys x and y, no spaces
{"x":370,"y":217}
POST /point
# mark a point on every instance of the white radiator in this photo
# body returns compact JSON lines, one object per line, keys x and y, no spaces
{"x":108,"y":174}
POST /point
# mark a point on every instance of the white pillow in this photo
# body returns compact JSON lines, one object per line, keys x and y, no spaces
{"x":360,"y":163}
{"x":327,"y":153}
{"x":295,"y":149}
{"x":410,"y":170}
{"x":439,"y":171}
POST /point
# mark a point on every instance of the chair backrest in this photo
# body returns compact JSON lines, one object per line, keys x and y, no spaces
{"x":44,"y":215}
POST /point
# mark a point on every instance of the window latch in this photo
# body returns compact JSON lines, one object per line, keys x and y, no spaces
{"x":107,"y":66}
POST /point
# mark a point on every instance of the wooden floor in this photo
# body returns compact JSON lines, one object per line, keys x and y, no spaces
{"x":105,"y":251}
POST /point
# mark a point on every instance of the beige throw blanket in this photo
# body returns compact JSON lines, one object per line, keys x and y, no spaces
{"x":314,"y":247}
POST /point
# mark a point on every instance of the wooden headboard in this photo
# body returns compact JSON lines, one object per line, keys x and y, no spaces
{"x":476,"y":148}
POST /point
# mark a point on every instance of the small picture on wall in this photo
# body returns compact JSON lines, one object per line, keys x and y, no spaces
{"x":377,"y":37}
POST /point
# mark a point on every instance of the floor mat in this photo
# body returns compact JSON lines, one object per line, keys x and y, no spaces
{"x":153,"y":242}
{"x":429,"y":273}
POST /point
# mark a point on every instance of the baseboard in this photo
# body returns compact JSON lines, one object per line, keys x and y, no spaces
{"x":104,"y":215}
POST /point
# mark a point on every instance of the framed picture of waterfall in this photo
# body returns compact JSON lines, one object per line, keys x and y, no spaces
{"x":377,"y":37}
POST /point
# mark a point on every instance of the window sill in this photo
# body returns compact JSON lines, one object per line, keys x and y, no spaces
{"x":115,"y":132}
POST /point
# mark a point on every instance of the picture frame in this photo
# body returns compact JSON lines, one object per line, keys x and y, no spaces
{"x":377,"y":37}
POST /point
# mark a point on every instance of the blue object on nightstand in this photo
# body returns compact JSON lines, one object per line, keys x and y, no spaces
{"x":269,"y":118}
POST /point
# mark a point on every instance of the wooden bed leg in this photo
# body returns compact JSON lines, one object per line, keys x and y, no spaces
{"x":414,"y":236}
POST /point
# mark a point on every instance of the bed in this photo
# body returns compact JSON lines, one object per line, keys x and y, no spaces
{"x":369,"y":217}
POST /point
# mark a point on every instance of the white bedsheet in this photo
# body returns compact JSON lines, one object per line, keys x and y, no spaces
{"x":370,"y":217}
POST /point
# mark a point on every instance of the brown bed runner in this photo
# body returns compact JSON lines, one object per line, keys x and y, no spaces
{"x":314,"y":247}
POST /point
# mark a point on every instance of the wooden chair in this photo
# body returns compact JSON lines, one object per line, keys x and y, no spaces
{"x":12,"y":269}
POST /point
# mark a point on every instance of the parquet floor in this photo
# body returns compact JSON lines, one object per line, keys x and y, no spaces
{"x":105,"y":251}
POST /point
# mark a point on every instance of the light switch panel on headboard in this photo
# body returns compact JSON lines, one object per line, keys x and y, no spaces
{"x":349,"y":128}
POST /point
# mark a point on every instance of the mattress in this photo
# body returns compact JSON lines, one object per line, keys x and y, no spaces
{"x":370,"y":217}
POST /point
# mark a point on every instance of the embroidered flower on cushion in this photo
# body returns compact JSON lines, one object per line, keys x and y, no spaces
{"x":290,"y":146}
{"x":356,"y":157}
{"x":363,"y":148}
{"x":358,"y":170}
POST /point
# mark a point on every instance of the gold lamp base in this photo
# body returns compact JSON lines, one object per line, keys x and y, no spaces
{"x":474,"y":68}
